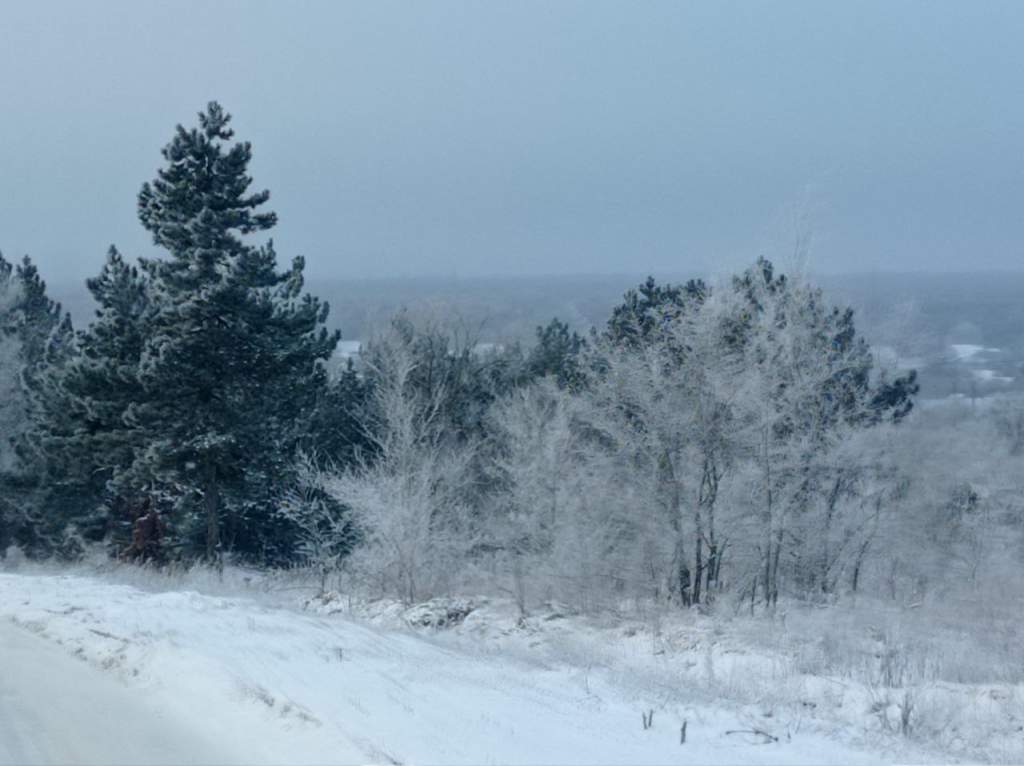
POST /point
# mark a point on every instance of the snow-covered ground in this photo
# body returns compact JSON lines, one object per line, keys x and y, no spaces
{"x":178,"y":676}
{"x":54,"y":708}
{"x":968,"y":352}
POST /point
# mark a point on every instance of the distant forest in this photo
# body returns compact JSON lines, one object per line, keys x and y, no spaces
{"x":685,"y":441}
{"x":980,"y":305}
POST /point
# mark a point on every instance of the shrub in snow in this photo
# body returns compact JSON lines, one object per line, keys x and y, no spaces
{"x":439,"y":613}
{"x":324,"y":602}
{"x":325,"y":534}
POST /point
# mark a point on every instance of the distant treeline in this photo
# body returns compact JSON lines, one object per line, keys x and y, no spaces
{"x":699,"y":439}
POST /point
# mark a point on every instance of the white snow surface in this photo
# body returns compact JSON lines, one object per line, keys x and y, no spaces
{"x":54,"y":708}
{"x":991,"y":376}
{"x":94,"y":671}
{"x":349,"y":348}
{"x":966,"y":352}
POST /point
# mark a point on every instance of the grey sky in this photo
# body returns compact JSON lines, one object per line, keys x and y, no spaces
{"x":548,"y":137}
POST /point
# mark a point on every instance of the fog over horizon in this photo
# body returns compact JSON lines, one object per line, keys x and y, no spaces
{"x":464,"y":140}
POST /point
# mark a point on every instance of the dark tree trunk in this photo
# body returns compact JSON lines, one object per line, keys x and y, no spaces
{"x":211,"y":502}
{"x":712,"y":567}
{"x":699,"y":573}
{"x":825,"y":567}
{"x":861,"y":553}
{"x":775,"y":569}
{"x":705,"y":518}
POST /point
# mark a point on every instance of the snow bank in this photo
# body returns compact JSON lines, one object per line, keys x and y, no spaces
{"x":315,"y":688}
{"x":853,"y":671}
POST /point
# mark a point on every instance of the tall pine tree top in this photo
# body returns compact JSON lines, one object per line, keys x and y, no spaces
{"x":121,"y":294}
{"x":38,"y":322}
{"x":199,"y":204}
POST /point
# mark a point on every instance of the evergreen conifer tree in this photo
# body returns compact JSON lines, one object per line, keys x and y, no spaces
{"x":645,"y":312}
{"x":232,"y":364}
{"x":41,"y":327}
{"x":557,"y":354}
{"x":39,"y":339}
{"x":89,"y":446}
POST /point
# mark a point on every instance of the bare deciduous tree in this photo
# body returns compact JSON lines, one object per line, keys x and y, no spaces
{"x":407,"y":496}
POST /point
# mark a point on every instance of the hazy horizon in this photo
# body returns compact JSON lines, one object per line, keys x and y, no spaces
{"x":481,"y":140}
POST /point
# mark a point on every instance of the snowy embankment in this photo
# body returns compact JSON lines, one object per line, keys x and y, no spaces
{"x":233,"y":679}
{"x":56,"y":709}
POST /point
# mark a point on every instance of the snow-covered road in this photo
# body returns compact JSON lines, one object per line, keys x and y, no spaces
{"x":57,"y":709}
{"x":96,"y":672}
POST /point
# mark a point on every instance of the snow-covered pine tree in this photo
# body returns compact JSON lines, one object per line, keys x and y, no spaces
{"x":556,"y":354}
{"x":338,"y":432}
{"x":47,"y":341}
{"x":810,"y":388}
{"x":648,"y":310}
{"x":82,"y":431}
{"x":37,"y":338}
{"x":39,"y":323}
{"x":232,"y":365}
{"x":12,"y":411}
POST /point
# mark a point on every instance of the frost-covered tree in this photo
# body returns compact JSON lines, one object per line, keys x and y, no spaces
{"x":42,"y":328}
{"x":326,"y":533}
{"x":408,"y":493}
{"x":447,"y":367}
{"x":808,"y":386}
{"x":711,"y":422}
{"x":336,"y":433}
{"x":37,"y":340}
{"x":954,"y":529}
{"x":663,"y":400}
{"x":556,"y":354}
{"x":12,"y":407}
{"x":89,"y":445}
{"x":232,"y":365}
{"x":648,"y":310}
{"x":13,"y":415}
{"x":535,"y":470}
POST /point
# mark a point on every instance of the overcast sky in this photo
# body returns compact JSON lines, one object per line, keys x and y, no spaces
{"x":488,"y":138}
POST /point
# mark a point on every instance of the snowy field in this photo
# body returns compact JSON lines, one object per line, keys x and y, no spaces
{"x":99,"y":671}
